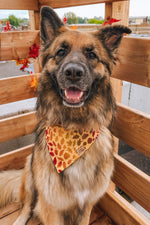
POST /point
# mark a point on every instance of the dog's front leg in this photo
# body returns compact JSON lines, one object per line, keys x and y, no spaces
{"x":86,"y":216}
{"x":48,"y":214}
{"x":77,"y":215}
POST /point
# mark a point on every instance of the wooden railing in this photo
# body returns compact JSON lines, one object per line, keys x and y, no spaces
{"x":130,"y":126}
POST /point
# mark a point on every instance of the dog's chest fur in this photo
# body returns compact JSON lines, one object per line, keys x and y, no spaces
{"x":81,"y":183}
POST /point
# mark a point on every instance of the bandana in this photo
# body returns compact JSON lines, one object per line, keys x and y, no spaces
{"x":66,"y":146}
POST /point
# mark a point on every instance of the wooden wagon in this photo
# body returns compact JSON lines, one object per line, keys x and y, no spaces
{"x":131,"y":126}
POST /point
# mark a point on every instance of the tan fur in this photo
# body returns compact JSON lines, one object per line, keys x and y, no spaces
{"x":10,"y":182}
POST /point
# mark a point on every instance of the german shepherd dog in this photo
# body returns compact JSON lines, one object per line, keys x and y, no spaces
{"x":74,"y":91}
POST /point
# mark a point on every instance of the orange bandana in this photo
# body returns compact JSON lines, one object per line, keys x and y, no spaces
{"x":65,"y":147}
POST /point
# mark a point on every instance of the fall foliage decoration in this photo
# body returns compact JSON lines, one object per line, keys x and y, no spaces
{"x":110,"y":21}
{"x":25,"y":63}
{"x":74,"y":27}
{"x":33,"y":53}
{"x":8,"y":27}
{"x":34,"y":83}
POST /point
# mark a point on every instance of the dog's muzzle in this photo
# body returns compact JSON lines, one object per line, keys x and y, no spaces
{"x":73,"y":95}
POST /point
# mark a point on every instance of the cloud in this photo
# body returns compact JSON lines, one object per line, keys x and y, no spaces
{"x":88,"y":11}
{"x":17,"y":13}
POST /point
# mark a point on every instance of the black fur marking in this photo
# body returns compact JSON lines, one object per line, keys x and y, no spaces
{"x":106,"y":65}
{"x":34,"y":200}
{"x":50,"y":24}
{"x":45,"y":60}
{"x":97,"y":169}
{"x":73,"y":216}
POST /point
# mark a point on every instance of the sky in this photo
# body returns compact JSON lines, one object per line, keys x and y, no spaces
{"x":137,"y":8}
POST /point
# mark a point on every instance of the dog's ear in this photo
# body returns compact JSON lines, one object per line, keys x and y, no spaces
{"x":50,"y":24}
{"x":112,"y":35}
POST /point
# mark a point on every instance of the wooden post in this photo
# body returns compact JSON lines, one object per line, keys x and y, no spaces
{"x":34,"y":20}
{"x":118,"y":10}
{"x":108,"y":10}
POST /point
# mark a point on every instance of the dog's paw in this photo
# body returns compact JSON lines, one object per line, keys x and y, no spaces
{"x":20,"y":221}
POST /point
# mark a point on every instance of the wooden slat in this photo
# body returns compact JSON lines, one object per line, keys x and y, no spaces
{"x":120,"y":211}
{"x":13,"y":207}
{"x":69,"y":3}
{"x":134,"y":61}
{"x":17,"y":126}
{"x":133,"y":64}
{"x":96,"y":214}
{"x":133,"y":128}
{"x":34,"y":20}
{"x":132,"y":181}
{"x":16,"y":44}
{"x":15,"y":159}
{"x":17,"y":4}
{"x":16,"y":88}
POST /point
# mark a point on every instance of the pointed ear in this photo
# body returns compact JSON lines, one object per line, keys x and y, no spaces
{"x":112,"y":35}
{"x":50,"y":24}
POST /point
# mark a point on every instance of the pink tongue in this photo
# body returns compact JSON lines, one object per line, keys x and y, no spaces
{"x":73,"y":93}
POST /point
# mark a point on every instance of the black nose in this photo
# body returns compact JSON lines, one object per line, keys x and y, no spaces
{"x":73,"y":71}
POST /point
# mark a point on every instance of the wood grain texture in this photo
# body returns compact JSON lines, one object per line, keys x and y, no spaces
{"x":16,"y":88}
{"x":133,"y":128}
{"x":120,"y":11}
{"x":34,"y":19}
{"x":17,"y":4}
{"x":15,"y":44}
{"x":17,"y":126}
{"x":120,"y":211}
{"x":134,"y":61}
{"x":132,"y":181}
{"x":5,"y":211}
{"x":68,"y":3}
{"x":108,"y":10}
{"x":15,"y":159}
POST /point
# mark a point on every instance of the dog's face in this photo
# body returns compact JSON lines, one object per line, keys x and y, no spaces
{"x":76,"y":70}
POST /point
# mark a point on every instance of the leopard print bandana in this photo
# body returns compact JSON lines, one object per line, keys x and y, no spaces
{"x":66,"y":146}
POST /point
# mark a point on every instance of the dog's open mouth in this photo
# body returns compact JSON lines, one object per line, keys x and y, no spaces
{"x":74,"y":97}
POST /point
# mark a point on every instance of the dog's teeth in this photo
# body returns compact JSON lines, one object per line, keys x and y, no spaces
{"x":73,"y":96}
{"x":65,"y":93}
{"x":81,"y":94}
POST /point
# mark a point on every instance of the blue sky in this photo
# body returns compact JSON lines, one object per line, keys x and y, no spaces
{"x":137,"y":8}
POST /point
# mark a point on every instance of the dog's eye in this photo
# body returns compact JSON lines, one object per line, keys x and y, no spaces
{"x":61,"y":52}
{"x":91,"y":55}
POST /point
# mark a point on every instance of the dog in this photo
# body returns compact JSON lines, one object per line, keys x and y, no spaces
{"x":74,"y":102}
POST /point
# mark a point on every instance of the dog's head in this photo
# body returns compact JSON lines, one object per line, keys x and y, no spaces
{"x":76,"y":66}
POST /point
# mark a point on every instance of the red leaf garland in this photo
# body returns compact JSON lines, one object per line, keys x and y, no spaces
{"x":34,"y":51}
